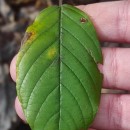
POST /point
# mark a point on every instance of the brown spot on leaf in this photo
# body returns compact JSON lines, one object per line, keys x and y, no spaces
{"x":83,"y":20}
{"x":29,"y":36}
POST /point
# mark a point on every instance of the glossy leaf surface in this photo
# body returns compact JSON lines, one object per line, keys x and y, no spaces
{"x":58,"y":81}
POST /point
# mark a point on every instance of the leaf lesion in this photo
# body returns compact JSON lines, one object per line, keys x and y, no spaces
{"x":52,"y":52}
{"x":29,"y":36}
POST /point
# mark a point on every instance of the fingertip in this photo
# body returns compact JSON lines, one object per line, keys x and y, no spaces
{"x":13,"y":68}
{"x":19,"y":110}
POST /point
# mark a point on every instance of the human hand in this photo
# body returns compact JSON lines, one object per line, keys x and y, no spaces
{"x":112,"y":22}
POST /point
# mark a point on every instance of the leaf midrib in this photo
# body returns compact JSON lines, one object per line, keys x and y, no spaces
{"x":60,"y":67}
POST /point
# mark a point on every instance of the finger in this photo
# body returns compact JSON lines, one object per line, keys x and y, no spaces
{"x":116,"y":68}
{"x":113,"y":113}
{"x":13,"y":69}
{"x":111,"y":20}
{"x":19,"y":110}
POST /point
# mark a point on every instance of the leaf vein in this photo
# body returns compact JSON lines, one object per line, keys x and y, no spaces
{"x":80,"y":25}
{"x":80,"y":83}
{"x":77,"y":105}
{"x":65,"y":123}
{"x":60,"y":67}
{"x":80,"y":44}
{"x":36,"y":85}
{"x":55,"y":114}
{"x":86,"y":70}
{"x":44,"y":103}
{"x":35,"y":62}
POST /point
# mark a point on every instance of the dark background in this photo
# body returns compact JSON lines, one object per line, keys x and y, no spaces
{"x":15,"y":16}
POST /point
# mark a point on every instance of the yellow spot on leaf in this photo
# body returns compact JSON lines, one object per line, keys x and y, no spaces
{"x":52,"y":52}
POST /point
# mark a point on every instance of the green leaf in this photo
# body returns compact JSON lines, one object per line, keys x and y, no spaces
{"x":58,"y":81}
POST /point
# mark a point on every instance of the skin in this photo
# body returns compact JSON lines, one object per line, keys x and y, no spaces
{"x":112,"y":23}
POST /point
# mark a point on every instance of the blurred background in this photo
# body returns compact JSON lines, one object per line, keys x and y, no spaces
{"x":15,"y":16}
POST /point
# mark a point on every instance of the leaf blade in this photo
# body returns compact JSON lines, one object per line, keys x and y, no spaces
{"x":58,"y":80}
